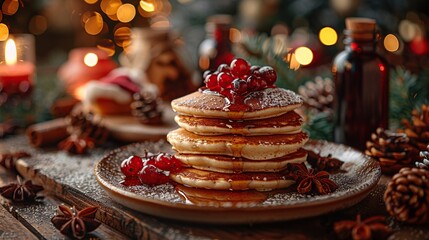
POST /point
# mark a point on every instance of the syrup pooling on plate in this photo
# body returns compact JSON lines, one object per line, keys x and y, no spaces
{"x":236,"y":81}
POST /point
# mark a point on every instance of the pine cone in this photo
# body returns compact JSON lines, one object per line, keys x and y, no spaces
{"x":318,"y":94}
{"x":418,"y":128}
{"x":392,"y":150}
{"x":87,"y":125}
{"x":407,"y":196}
{"x":425,"y":162}
{"x":146,"y":108}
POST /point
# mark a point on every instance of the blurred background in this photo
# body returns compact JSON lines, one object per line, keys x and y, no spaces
{"x":299,"y":38}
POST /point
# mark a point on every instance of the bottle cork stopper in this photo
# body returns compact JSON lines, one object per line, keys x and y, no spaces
{"x":361,"y":28}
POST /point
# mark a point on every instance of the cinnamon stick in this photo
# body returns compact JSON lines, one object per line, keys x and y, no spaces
{"x":47,"y":133}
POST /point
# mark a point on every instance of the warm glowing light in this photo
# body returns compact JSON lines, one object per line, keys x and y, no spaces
{"x":10,"y":52}
{"x":147,"y":6}
{"x":126,"y":13}
{"x":110,"y":7}
{"x":91,"y":1}
{"x":90,"y":59}
{"x":293,"y":64}
{"x":303,"y":55}
{"x":38,"y":24}
{"x":122,"y":36}
{"x":391,"y":43}
{"x":93,"y":23}
{"x":106,"y":45}
{"x":408,"y":30}
{"x":234,"y":35}
{"x":4,"y":32}
{"x":328,"y":36}
{"x":10,"y":7}
{"x":79,"y":92}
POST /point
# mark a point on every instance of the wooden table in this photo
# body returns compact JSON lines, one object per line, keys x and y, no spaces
{"x":69,"y":179}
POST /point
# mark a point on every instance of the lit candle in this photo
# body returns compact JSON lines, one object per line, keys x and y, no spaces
{"x":16,"y":75}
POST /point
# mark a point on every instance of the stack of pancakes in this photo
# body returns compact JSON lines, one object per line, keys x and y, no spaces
{"x":238,"y":149}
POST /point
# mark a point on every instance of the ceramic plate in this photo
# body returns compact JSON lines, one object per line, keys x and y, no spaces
{"x":358,"y":175}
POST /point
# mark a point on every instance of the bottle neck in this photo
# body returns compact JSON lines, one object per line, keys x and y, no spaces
{"x":220,"y":33}
{"x":362,"y":42}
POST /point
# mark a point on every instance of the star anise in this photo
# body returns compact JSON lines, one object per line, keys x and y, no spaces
{"x":75,"y":144}
{"x":8,"y":160}
{"x":20,"y":192}
{"x":326,"y":163}
{"x":312,"y":181}
{"x":370,"y":228}
{"x":75,"y":223}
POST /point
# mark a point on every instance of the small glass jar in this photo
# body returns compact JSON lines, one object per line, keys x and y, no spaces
{"x":361,"y":85}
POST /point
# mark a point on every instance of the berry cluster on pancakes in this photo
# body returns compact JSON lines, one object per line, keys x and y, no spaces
{"x":238,"y":132}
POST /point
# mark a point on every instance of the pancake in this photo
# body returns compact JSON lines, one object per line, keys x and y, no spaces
{"x":226,"y":164}
{"x":223,"y":181}
{"x":270,"y":102}
{"x":250,"y":147}
{"x":287,"y":123}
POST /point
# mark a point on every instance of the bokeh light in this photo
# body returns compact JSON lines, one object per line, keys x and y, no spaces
{"x":93,"y":22}
{"x":122,"y":36}
{"x":91,"y":1}
{"x":4,"y":32}
{"x":38,"y":24}
{"x":408,"y":30}
{"x":106,"y":45}
{"x":90,"y":59}
{"x":234,"y":35}
{"x":147,"y":6}
{"x":391,"y":43}
{"x":10,"y":7}
{"x":303,"y":55}
{"x":126,"y":13}
{"x":328,"y":36}
{"x":110,"y":7}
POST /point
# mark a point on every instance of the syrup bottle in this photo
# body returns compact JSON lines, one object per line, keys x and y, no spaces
{"x":216,"y":48}
{"x":361,"y":85}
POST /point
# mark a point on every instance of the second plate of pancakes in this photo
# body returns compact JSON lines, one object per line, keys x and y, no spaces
{"x":358,"y":176}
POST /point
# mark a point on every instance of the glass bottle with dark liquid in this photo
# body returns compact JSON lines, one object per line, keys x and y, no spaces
{"x":216,"y":48}
{"x":361,"y":85}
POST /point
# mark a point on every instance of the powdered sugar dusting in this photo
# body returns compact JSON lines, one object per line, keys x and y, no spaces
{"x":272,"y":97}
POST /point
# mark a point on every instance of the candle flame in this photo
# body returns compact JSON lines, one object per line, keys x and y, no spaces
{"x":10,"y":52}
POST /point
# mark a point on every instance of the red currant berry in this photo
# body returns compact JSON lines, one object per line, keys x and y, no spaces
{"x":152,"y":175}
{"x":240,"y":67}
{"x":254,"y":68}
{"x":239,"y":86}
{"x":224,"y":80}
{"x":253,"y":83}
{"x":224,"y":68}
{"x":226,"y":93}
{"x":163,"y":161}
{"x":211,"y":81}
{"x":175,"y":165}
{"x":268,"y":74}
{"x":131,"y":166}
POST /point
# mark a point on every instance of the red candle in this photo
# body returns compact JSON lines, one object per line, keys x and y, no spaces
{"x":15,"y":76}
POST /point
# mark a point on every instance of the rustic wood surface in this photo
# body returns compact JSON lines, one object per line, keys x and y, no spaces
{"x":69,"y":179}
